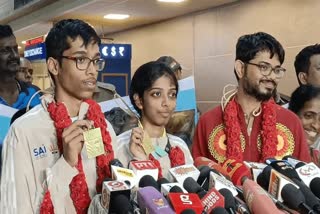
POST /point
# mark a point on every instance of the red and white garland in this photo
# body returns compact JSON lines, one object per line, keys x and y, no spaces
{"x":233,"y":130}
{"x":78,"y":186}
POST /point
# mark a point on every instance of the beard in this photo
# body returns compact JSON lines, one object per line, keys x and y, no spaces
{"x":253,"y":90}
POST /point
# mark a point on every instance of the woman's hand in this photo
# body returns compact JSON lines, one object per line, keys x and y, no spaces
{"x":135,"y":146}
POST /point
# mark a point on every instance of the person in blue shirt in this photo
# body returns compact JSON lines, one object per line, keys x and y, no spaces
{"x":12,"y":92}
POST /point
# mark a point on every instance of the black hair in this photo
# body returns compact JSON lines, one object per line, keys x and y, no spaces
{"x":5,"y":31}
{"x":301,"y":95}
{"x":249,"y":45}
{"x":145,"y":76}
{"x":57,"y":38}
{"x":302,"y":61}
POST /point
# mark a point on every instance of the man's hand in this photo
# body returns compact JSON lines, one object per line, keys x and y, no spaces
{"x":136,"y":144}
{"x":72,"y":140}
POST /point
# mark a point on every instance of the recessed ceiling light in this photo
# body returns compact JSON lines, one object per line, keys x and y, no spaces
{"x":171,"y":1}
{"x":24,"y":42}
{"x":116,"y":16}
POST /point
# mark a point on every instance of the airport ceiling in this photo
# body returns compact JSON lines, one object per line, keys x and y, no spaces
{"x":35,"y":19}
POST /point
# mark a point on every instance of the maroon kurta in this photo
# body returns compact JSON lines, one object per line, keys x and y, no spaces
{"x":210,"y":139}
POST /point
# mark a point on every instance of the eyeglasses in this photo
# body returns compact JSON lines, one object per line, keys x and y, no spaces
{"x":266,"y":69}
{"x":83,"y":63}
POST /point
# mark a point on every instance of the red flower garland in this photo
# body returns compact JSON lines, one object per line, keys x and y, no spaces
{"x":78,"y":186}
{"x":233,"y":130}
{"x":176,"y":157}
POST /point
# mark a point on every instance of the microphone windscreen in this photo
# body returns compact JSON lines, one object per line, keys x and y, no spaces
{"x":300,"y":164}
{"x":121,"y":204}
{"x":148,"y":180}
{"x":236,"y":170}
{"x":285,"y":169}
{"x":116,"y":162}
{"x":229,"y":201}
{"x":264,"y":177}
{"x":163,"y":180}
{"x":219,"y":210}
{"x":292,"y":196}
{"x":188,"y":211}
{"x":176,"y":189}
{"x":202,"y":161}
{"x":191,"y":185}
{"x":315,"y":186}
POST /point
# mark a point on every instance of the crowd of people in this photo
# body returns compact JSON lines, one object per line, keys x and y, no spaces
{"x":45,"y":168}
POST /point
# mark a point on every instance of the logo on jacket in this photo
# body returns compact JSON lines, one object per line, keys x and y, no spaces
{"x":40,"y":152}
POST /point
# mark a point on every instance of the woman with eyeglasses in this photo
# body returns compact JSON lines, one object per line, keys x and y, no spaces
{"x":153,"y":93}
{"x":305,"y":102}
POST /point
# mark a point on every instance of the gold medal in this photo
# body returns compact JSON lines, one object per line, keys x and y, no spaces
{"x":146,"y":144}
{"x":93,"y":142}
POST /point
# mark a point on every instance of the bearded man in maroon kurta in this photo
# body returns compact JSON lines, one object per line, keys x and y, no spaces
{"x":249,"y":126}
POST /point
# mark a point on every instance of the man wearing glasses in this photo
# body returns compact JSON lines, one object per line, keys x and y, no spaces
{"x":46,"y":167}
{"x":249,"y":126}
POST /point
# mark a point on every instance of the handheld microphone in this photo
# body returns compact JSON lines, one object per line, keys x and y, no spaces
{"x":142,"y":168}
{"x":229,"y":201}
{"x":152,"y":201}
{"x":315,"y":186}
{"x":115,"y":162}
{"x":308,"y":172}
{"x":203,"y":161}
{"x":121,"y":205}
{"x":236,"y":171}
{"x":188,"y":211}
{"x":111,"y":189}
{"x":286,"y":169}
{"x":255,"y":168}
{"x":123,"y":174}
{"x":218,"y":182}
{"x":183,"y":201}
{"x":295,"y":199}
{"x":148,"y":180}
{"x":209,"y":200}
{"x":219,"y":210}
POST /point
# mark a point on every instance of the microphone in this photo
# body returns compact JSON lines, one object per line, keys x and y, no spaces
{"x":209,"y":200}
{"x":286,"y":169}
{"x":123,"y":174}
{"x":255,"y":168}
{"x":180,"y":173}
{"x":184,"y":201}
{"x":115,"y":162}
{"x":258,"y":199}
{"x":147,"y":181}
{"x":315,"y":186}
{"x":218,"y":182}
{"x":293,"y":161}
{"x":142,"y":168}
{"x":121,"y":205}
{"x":219,"y":210}
{"x":111,"y":189}
{"x":188,"y":211}
{"x":229,"y":201}
{"x":152,"y":201}
{"x":236,"y":171}
{"x":202,"y":161}
{"x":295,"y":199}
{"x":308,"y":172}
{"x":263,"y":177}
{"x":167,"y":187}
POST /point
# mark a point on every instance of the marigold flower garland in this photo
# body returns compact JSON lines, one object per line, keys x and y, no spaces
{"x":78,"y":186}
{"x":233,"y":130}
